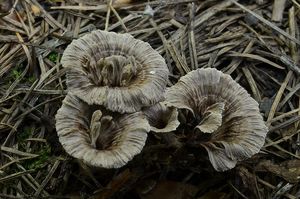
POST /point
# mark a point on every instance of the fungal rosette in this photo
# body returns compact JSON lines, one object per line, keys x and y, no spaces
{"x":98,"y":137}
{"x":115,"y":70}
{"x":224,"y":112}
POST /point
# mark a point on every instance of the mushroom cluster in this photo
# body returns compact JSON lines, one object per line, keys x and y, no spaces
{"x":110,"y":78}
{"x":117,"y":94}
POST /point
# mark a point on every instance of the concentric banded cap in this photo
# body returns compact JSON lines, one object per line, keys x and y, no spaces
{"x":225,"y":111}
{"x":115,"y":70}
{"x":97,"y":137}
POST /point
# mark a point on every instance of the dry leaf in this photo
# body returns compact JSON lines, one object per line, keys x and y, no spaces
{"x":288,"y":170}
{"x":36,"y":10}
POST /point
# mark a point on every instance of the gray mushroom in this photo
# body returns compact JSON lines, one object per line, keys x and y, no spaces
{"x":115,"y":70}
{"x":97,"y":138}
{"x":224,"y":111}
{"x":161,"y":118}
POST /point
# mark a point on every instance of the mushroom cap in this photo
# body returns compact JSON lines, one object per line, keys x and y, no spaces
{"x":225,"y":110}
{"x":162,"y":119}
{"x":115,"y":70}
{"x":81,"y":126}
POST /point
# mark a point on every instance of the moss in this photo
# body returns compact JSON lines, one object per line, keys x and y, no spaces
{"x":31,"y":79}
{"x":53,"y":56}
{"x":25,"y":134}
{"x":44,"y":151}
{"x":38,"y":162}
{"x":16,"y":72}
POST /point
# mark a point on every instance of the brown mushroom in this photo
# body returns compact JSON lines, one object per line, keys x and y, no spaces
{"x":222,"y":110}
{"x":161,"y":118}
{"x":115,"y":70}
{"x":98,"y":137}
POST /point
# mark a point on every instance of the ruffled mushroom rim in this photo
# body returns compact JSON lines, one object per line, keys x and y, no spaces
{"x":224,"y":111}
{"x":99,"y":64}
{"x":204,"y":117}
{"x":226,"y":145}
{"x":98,"y":137}
{"x":161,"y":118}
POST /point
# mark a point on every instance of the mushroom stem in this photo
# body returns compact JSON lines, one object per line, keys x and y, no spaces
{"x":212,"y":119}
{"x":115,"y":70}
{"x":129,"y":71}
{"x":98,"y":130}
{"x":95,"y":127}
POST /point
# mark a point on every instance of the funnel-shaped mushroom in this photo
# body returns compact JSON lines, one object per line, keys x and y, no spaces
{"x":115,"y":70}
{"x":224,"y":111}
{"x":97,"y":138}
{"x":161,"y":118}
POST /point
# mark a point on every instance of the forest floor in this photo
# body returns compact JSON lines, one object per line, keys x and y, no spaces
{"x":254,"y":41}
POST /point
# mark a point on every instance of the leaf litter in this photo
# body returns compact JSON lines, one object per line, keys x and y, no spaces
{"x":256,"y":42}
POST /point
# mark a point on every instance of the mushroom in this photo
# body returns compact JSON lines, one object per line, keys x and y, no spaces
{"x":115,"y":70}
{"x":161,"y":118}
{"x":224,"y":112}
{"x":98,"y":137}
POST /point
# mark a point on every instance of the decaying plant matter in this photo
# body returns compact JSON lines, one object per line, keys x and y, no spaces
{"x":256,"y":42}
{"x":225,"y":111}
{"x":99,"y":138}
{"x":115,"y":70}
{"x":97,"y":2}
